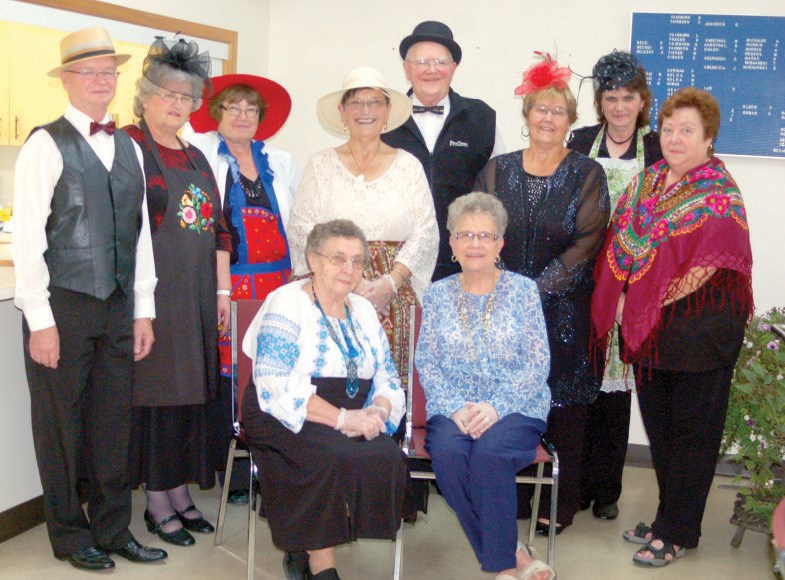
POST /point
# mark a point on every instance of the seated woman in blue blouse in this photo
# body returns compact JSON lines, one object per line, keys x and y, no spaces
{"x":327,"y":394}
{"x":483,"y":361}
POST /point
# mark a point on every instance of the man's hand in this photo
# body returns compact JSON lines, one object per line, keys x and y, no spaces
{"x":45,"y":346}
{"x":143,"y":338}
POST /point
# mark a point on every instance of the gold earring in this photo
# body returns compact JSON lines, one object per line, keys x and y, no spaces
{"x":453,"y":258}
{"x":345,"y":128}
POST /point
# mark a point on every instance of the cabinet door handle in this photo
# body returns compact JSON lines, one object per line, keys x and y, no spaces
{"x":16,"y":127}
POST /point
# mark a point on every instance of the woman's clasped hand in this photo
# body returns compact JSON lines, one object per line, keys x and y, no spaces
{"x":474,"y":419}
{"x":368,"y":422}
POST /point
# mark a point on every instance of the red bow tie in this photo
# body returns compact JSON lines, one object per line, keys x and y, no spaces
{"x":108,"y":128}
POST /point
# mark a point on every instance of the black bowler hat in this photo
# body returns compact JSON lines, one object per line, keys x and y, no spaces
{"x":432,"y":31}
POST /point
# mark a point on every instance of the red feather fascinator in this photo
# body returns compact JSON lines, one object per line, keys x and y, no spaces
{"x":544,"y":74}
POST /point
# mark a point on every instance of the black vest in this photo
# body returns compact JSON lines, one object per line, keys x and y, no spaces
{"x":462,"y":149}
{"x":92,"y":231}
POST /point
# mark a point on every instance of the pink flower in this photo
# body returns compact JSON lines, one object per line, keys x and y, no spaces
{"x":660,"y":231}
{"x":718,"y":203}
{"x":773,"y":345}
{"x":189,"y":215}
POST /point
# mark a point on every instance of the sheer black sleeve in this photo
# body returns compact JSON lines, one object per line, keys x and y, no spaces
{"x":565,"y":271}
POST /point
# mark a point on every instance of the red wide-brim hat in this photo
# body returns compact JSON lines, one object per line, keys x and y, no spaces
{"x":277,"y":99}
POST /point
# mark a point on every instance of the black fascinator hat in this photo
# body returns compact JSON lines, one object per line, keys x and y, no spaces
{"x":180,"y":55}
{"x":616,"y":70}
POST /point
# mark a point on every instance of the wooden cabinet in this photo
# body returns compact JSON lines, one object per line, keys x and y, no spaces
{"x":29,"y":98}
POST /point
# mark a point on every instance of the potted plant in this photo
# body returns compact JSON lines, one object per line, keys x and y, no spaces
{"x":754,"y":434}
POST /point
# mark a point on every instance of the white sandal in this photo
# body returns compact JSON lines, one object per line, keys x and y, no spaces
{"x":536,"y":566}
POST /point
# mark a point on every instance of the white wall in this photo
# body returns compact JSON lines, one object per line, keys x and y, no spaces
{"x":311,"y":51}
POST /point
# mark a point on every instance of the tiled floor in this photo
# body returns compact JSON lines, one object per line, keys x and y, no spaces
{"x":435,"y":548}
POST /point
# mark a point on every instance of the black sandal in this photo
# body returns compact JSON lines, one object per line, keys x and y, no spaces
{"x":638,"y":535}
{"x":659,"y":558}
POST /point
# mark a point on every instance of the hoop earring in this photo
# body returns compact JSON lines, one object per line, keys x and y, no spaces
{"x":498,"y":259}
{"x":453,"y":259}
{"x":524,"y":133}
{"x":710,"y":150}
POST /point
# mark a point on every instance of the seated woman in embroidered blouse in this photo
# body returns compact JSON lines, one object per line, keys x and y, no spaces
{"x":483,"y":361}
{"x":327,"y":394}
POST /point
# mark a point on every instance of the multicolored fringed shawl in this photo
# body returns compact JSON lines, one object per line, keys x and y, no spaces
{"x":656,"y":245}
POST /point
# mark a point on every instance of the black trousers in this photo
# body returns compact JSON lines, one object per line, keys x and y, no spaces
{"x":81,"y":415}
{"x":605,"y":449}
{"x":684,"y":415}
{"x":566,"y":431}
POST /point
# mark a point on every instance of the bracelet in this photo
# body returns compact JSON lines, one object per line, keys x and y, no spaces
{"x":392,"y":283}
{"x":341,"y":419}
{"x":224,"y":293}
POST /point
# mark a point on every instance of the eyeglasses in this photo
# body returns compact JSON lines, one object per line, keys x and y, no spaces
{"x":172,"y":97}
{"x":545,"y":109}
{"x":482,"y":237}
{"x":90,"y":75}
{"x":425,"y":63}
{"x":235,"y":111}
{"x":360,"y":104}
{"x":340,"y":261}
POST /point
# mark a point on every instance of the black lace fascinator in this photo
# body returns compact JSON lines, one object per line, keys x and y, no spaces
{"x":180,"y":55}
{"x":616,"y":70}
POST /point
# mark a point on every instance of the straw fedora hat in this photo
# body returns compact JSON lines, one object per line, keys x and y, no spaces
{"x":360,"y":78}
{"x":84,"y":45}
{"x":275,"y":97}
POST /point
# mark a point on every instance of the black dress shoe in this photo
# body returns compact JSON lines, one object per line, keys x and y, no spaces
{"x":199,"y":524}
{"x":329,"y":574}
{"x":608,"y":511}
{"x":136,"y":552}
{"x":295,"y":565}
{"x":178,"y":537}
{"x":238,"y":497}
{"x":90,"y":559}
{"x":585,"y":504}
{"x":541,"y":529}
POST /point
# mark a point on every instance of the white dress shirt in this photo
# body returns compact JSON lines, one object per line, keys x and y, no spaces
{"x":37,"y":171}
{"x":431,"y":124}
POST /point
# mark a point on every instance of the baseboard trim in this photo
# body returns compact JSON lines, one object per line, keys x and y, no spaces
{"x":21,"y":518}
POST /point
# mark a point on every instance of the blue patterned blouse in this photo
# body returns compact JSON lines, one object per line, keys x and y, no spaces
{"x":507,"y":366}
{"x":289,"y":343}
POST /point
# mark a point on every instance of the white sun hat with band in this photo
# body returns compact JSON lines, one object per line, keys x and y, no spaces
{"x":362,"y":78}
{"x":84,"y":45}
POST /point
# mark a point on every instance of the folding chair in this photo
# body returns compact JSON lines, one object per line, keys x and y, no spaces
{"x":243,"y":312}
{"x":414,"y":447}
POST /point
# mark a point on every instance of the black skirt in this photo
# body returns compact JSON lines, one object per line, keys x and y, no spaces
{"x":319,"y":487}
{"x":174,"y":445}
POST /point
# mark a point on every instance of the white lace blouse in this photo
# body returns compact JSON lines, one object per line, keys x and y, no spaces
{"x":396,"y":206}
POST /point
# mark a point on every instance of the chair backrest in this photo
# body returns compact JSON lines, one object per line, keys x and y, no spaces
{"x":415,"y":397}
{"x":243,"y":312}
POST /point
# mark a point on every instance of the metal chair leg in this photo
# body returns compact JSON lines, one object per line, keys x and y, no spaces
{"x":252,"y":511}
{"x":554,"y":504}
{"x":219,"y":528}
{"x":398,"y":553}
{"x":535,"y":503}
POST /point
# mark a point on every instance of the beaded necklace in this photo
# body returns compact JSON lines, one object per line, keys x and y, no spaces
{"x":349,"y":352}
{"x":486,"y":315}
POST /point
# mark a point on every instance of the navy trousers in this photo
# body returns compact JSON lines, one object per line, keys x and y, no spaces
{"x":477,"y":479}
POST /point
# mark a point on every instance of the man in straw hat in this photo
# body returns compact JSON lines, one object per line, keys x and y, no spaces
{"x":84,"y":281}
{"x":452,"y":136}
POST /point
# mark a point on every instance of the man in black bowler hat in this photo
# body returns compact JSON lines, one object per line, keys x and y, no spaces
{"x":84,"y":280}
{"x":452,"y":136}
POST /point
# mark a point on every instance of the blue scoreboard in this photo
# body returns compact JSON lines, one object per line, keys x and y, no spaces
{"x":738,"y":59}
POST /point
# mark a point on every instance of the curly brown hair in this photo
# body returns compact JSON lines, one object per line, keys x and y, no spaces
{"x":690,"y":97}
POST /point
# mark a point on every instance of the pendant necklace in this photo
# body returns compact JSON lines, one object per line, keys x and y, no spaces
{"x":349,"y":352}
{"x":362,"y":168}
{"x":486,"y":316}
